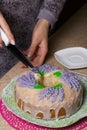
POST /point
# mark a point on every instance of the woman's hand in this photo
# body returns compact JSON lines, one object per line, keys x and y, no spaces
{"x":6,"y":29}
{"x":39,"y":46}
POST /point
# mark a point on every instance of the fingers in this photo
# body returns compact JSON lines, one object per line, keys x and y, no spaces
{"x":22,"y":65}
{"x":40,"y":54}
{"x":32,"y":49}
{"x":1,"y":42}
{"x":39,"y":59}
{"x":40,"y":33}
{"x":6,"y":29}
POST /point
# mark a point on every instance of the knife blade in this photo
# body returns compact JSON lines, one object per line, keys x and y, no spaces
{"x":15,"y":50}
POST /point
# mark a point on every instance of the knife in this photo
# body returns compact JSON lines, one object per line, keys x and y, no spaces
{"x":15,"y":50}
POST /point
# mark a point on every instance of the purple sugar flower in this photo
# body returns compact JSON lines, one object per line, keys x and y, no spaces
{"x":27,"y":81}
{"x":36,"y":69}
{"x":46,"y":93}
{"x":45,"y":68}
{"x":61,"y":94}
{"x":54,"y":97}
{"x":51,"y":92}
{"x":71,"y":79}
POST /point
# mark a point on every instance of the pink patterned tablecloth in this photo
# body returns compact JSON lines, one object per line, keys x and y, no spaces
{"x":20,"y":124}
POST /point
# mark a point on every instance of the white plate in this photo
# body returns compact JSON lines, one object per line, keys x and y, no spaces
{"x":72,"y":58}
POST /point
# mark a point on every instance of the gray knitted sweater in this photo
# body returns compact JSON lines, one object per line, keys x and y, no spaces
{"x":21,"y":16}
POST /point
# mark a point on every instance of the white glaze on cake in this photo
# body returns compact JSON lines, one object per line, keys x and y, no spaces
{"x":28,"y":98}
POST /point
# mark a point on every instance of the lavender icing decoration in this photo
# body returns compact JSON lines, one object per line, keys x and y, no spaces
{"x":61,"y":94}
{"x":27,"y":81}
{"x":71,"y":79}
{"x":46,"y":93}
{"x":46,"y":68}
{"x":54,"y":97}
{"x":51,"y":91}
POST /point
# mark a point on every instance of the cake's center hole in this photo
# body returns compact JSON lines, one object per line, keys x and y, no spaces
{"x":48,"y":80}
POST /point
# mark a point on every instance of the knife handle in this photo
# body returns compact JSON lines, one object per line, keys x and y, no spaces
{"x":14,"y":50}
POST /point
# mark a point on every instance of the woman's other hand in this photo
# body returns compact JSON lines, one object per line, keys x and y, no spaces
{"x":39,"y":46}
{"x":6,"y":29}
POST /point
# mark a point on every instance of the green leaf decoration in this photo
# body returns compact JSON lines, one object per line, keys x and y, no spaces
{"x":57,"y":74}
{"x":58,"y":86}
{"x":41,"y":73}
{"x":38,"y":86}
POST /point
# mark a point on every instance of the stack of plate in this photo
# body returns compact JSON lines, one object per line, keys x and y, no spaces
{"x":72,"y":58}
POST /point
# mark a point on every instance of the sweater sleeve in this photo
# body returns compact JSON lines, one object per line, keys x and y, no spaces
{"x":50,"y":10}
